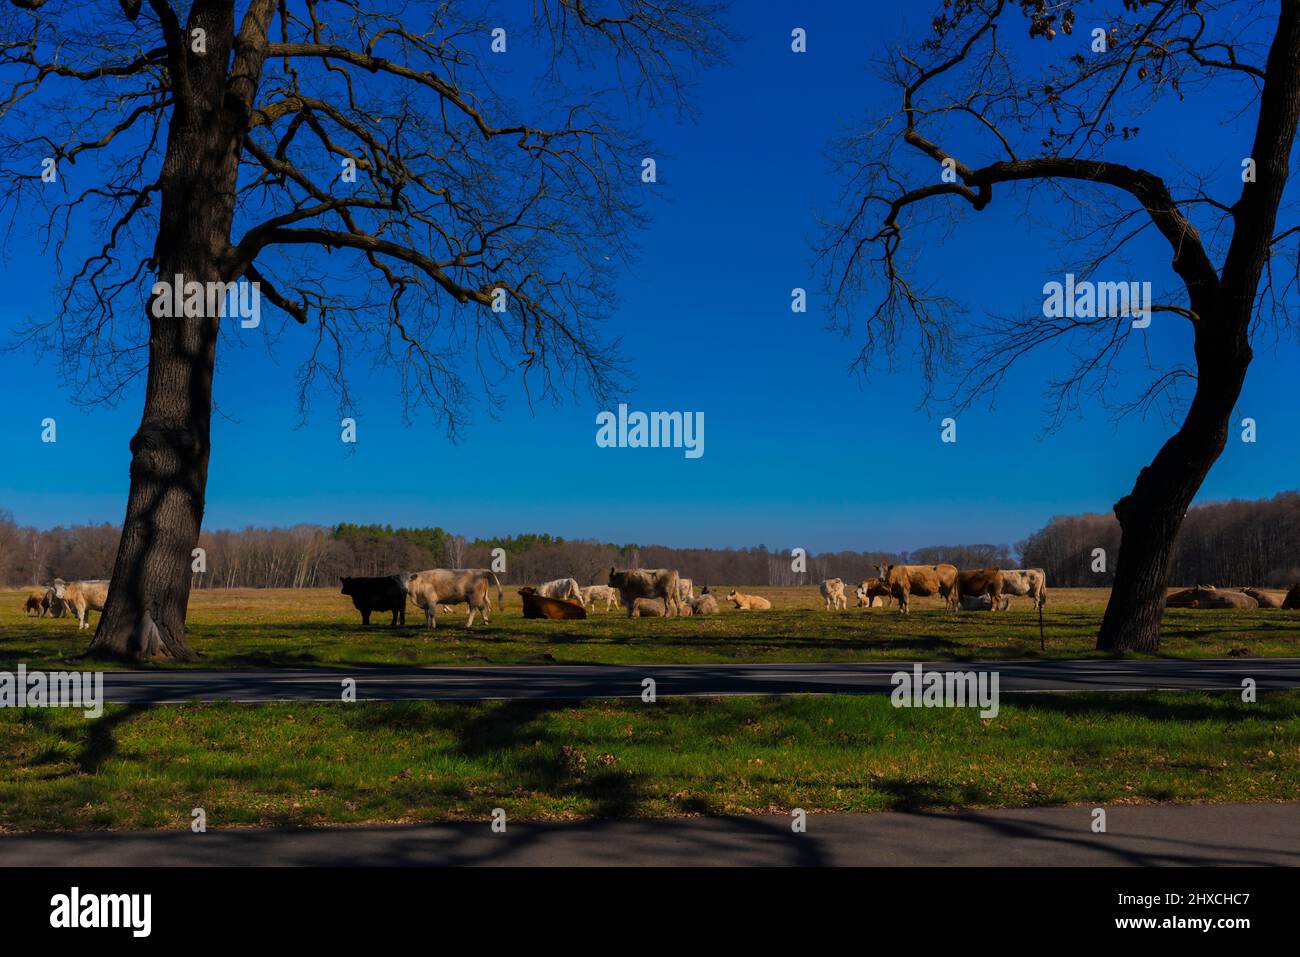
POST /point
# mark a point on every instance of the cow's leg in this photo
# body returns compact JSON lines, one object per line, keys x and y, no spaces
{"x":365,"y":616}
{"x":473,"y":610}
{"x":430,"y":619}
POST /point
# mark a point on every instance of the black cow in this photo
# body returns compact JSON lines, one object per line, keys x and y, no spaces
{"x":386,"y":593}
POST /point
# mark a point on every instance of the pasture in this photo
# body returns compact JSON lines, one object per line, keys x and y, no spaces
{"x":282,"y":765}
{"x":257,"y":628}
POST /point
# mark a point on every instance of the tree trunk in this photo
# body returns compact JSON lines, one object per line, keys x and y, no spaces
{"x":1151,"y":514}
{"x":144,"y":617}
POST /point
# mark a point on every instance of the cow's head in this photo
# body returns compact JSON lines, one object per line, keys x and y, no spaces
{"x":527,"y":591}
{"x":58,"y":586}
{"x":616,"y":578}
{"x":731,"y":595}
{"x":347,"y":585}
{"x":882,"y":570}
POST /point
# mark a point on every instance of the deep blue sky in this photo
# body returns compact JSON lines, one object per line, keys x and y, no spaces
{"x":798,"y":451}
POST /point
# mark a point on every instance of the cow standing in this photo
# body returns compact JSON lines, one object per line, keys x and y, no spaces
{"x":634,"y":583}
{"x":82,"y":597}
{"x":452,"y":586}
{"x":903,"y":581}
{"x":832,"y":592}
{"x":385,"y":593}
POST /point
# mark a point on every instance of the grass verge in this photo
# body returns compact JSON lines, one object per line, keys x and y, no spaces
{"x":148,"y":767}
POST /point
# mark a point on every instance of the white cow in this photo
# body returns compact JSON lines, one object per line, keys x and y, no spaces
{"x":832,"y":590}
{"x":594,"y":594}
{"x":1030,"y":583}
{"x":566,"y":589}
{"x":685,"y":589}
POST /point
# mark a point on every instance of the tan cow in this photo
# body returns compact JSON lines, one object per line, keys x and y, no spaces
{"x":981,"y":581}
{"x":685,"y":589}
{"x":903,"y":581}
{"x":1227,"y":598}
{"x":1028,"y":583}
{"x":648,"y":608}
{"x":1266,"y":599}
{"x":593,"y":594}
{"x":35,"y":603}
{"x":832,"y":591}
{"x":82,"y":597}
{"x":452,"y":586}
{"x":634,"y":583}
{"x":565,"y":589}
{"x":748,"y":602}
{"x":705,"y":604}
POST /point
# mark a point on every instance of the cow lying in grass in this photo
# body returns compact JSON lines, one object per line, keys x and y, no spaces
{"x":748,"y":602}
{"x":705,"y":604}
{"x":543,"y":606}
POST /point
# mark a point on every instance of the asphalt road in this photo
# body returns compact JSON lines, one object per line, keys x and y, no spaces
{"x":1159,"y":835}
{"x":624,"y":681}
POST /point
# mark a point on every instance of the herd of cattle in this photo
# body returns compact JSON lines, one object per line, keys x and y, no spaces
{"x":662,"y":593}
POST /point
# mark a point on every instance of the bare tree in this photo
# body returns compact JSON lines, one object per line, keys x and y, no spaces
{"x":191,"y":141}
{"x":1047,"y":133}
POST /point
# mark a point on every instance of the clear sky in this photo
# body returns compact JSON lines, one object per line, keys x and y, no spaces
{"x":797,"y":450}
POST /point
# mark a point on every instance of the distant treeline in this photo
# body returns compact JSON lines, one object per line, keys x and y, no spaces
{"x":1223,"y":543}
{"x":1236,"y":542}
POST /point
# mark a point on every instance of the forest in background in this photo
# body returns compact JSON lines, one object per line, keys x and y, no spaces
{"x":1222,"y":543}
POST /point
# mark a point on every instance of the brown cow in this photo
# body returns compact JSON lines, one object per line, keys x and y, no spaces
{"x":903,"y":581}
{"x":872,"y":593}
{"x":35,"y":603}
{"x":1207,"y":596}
{"x":556,"y":609}
{"x":981,"y":581}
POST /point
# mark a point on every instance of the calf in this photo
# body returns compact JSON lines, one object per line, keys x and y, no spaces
{"x":593,"y":594}
{"x":385,"y":593}
{"x":904,"y":581}
{"x":872,"y":593}
{"x":634,"y":583}
{"x":748,"y":602}
{"x":452,"y":586}
{"x":984,"y":603}
{"x":35,"y":603}
{"x":82,"y":597}
{"x":832,"y":590}
{"x":537,"y":605}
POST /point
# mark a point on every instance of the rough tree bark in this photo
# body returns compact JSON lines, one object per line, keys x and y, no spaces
{"x":144,"y":617}
{"x":1152,"y":513}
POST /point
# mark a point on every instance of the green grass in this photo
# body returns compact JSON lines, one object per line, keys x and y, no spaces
{"x":249,"y":628}
{"x":147,"y":767}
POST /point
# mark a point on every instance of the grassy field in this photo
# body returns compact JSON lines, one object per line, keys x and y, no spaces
{"x":422,"y":761}
{"x":319,"y":628}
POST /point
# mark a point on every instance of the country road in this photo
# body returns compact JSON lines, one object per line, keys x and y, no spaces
{"x":622,"y":681}
{"x":1160,"y":835}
